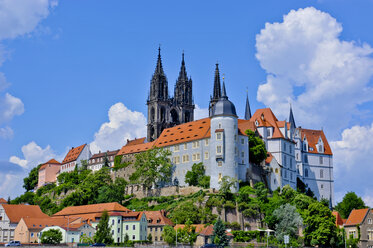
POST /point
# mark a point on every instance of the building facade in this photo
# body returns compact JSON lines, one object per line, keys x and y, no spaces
{"x":164,"y":111}
{"x":48,"y":172}
{"x":362,"y":219}
{"x":97,"y":160}
{"x":157,"y":220}
{"x":74,"y":158}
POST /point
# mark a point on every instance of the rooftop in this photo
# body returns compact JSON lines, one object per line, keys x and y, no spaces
{"x":73,"y":154}
{"x":16,"y":212}
{"x":93,"y":208}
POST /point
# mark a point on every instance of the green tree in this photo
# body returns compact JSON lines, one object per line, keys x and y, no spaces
{"x":196,"y":177}
{"x":151,"y":167}
{"x":350,"y":201}
{"x":289,"y":220}
{"x":112,"y":192}
{"x":301,"y":186}
{"x":85,"y":239}
{"x":26,"y":198}
{"x":187,"y":235}
{"x":184,"y":212}
{"x":257,"y":148}
{"x":261,"y":192}
{"x":30,"y":182}
{"x":227,"y":184}
{"x":169,"y":235}
{"x":106,"y":161}
{"x":103,"y":233}
{"x":219,"y":235}
{"x":320,"y":226}
{"x":150,"y":238}
{"x":52,"y":237}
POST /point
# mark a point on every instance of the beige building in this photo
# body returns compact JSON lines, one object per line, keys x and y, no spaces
{"x":48,"y":172}
{"x":364,"y":219}
{"x":157,"y":220}
{"x":10,"y":216}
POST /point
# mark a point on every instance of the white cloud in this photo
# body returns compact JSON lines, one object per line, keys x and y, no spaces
{"x":6,"y":132}
{"x":368,"y":200}
{"x":200,"y":113}
{"x":11,"y":184}
{"x":123,"y":124}
{"x":352,"y":167}
{"x":10,"y":106}
{"x":19,"y":17}
{"x":324,"y":78}
{"x":33,"y":155}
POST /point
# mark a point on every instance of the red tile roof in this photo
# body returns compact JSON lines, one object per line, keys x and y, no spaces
{"x":244,"y":125}
{"x":157,"y":218}
{"x":136,"y":148}
{"x":93,"y":208}
{"x":356,"y":217}
{"x":73,"y":154}
{"x":266,"y":118}
{"x":40,"y":223}
{"x":135,"y":141}
{"x":269,"y":158}
{"x":312,"y":137}
{"x":102,"y":154}
{"x":3,"y":201}
{"x":338,"y":219}
{"x":16,"y":212}
{"x":52,"y":161}
{"x":131,"y":216}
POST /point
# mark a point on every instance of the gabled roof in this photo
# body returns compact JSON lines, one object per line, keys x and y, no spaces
{"x":52,"y":161}
{"x":312,"y":137}
{"x":244,"y":125}
{"x":102,"y":154}
{"x":131,"y":216}
{"x":93,"y":208}
{"x":266,"y":118}
{"x":269,"y":158}
{"x":40,"y":223}
{"x":157,"y":218}
{"x":356,"y":217}
{"x":3,"y":201}
{"x":73,"y":154}
{"x":16,"y":212}
{"x":136,"y":148}
{"x":135,"y":141}
{"x":338,"y":219}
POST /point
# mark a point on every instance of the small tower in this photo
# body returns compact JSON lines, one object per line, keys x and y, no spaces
{"x":216,"y":91}
{"x":182,"y":109}
{"x":224,"y":141}
{"x":291,"y":118}
{"x":247,"y":108}
{"x":158,"y":102}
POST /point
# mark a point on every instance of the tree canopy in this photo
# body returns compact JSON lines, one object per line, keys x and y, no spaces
{"x":219,"y":236}
{"x":197,"y":177}
{"x":103,"y":233}
{"x":350,"y":201}
{"x":51,"y":237}
{"x":257,"y":148}
{"x":289,"y":220}
{"x":30,"y":182}
{"x":152,"y":167}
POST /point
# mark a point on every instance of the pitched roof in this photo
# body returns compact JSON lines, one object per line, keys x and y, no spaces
{"x":244,"y":125}
{"x":52,"y":161}
{"x":16,"y":212}
{"x":3,"y":201}
{"x":131,"y":216}
{"x":102,"y":154}
{"x":136,"y":148}
{"x":157,"y":218}
{"x":269,"y":158}
{"x":135,"y":141}
{"x":266,"y":118}
{"x":356,"y":216}
{"x":93,"y":208}
{"x":338,"y":219}
{"x":73,"y":154}
{"x":312,"y":137}
{"x":40,"y":223}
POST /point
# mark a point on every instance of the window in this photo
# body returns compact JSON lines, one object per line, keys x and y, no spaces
{"x":320,"y":148}
{"x":220,"y":177}
{"x":370,"y":234}
{"x":219,"y":125}
{"x":112,"y":232}
{"x":206,"y":155}
{"x":118,"y":230}
{"x":242,"y":154}
{"x":185,"y":158}
{"x":291,"y":176}
{"x":242,"y":141}
{"x":134,"y":227}
{"x":291,"y":163}
{"x":133,"y":237}
{"x":156,"y":238}
{"x":32,"y":235}
{"x":286,"y":174}
{"x":322,"y":186}
{"x":112,"y":222}
{"x":206,"y":142}
{"x":285,"y":147}
{"x":290,"y":149}
{"x":304,"y":147}
{"x":176,"y":160}
{"x":370,"y":221}
{"x":321,"y":173}
{"x":297,"y":155}
{"x":276,"y":170}
{"x":235,"y":137}
{"x":305,"y":159}
{"x":321,"y":160}
{"x":118,"y":221}
{"x":218,"y":150}
{"x":220,"y":163}
{"x":219,"y":136}
{"x":156,"y":229}
{"x":198,"y":156}
{"x":127,"y":227}
{"x":352,"y":233}
{"x":268,"y":132}
{"x":185,"y":146}
{"x":306,"y":172}
{"x":236,"y":151}
{"x":177,"y":148}
{"x":195,"y":144}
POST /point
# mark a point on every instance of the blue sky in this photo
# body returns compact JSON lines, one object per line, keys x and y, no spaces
{"x":66,"y":65}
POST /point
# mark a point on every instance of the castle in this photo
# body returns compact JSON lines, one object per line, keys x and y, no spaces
{"x":220,"y":143}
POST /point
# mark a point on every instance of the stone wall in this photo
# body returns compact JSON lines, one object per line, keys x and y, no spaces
{"x":139,"y":191}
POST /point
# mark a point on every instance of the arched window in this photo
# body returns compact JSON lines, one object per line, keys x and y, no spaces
{"x":152,"y":114}
{"x":305,"y":172}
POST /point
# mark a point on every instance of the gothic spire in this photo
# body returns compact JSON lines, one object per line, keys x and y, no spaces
{"x":247,"y":108}
{"x":291,"y":118}
{"x":217,"y":89}
{"x":159,"y":68}
{"x":182,"y":73}
{"x":224,"y":93}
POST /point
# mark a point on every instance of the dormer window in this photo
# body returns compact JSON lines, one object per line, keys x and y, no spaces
{"x":262,"y":117}
{"x":256,"y":123}
{"x":320,"y":148}
{"x":268,"y":132}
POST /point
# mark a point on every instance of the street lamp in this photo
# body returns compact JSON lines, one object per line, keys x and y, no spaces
{"x":267,"y":231}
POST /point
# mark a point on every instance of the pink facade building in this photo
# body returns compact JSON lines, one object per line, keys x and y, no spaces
{"x":48,"y":172}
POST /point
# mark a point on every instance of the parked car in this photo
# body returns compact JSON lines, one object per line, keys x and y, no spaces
{"x":209,"y":246}
{"x":13,"y":243}
{"x":98,"y":244}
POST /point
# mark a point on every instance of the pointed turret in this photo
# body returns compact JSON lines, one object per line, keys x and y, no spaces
{"x":224,"y":93}
{"x":247,"y":109}
{"x":291,"y":118}
{"x":159,"y":68}
{"x":217,"y":89}
{"x":182,"y":73}
{"x":159,"y":84}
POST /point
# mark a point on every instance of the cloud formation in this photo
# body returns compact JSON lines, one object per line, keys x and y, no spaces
{"x":200,"y":113}
{"x":308,"y":65}
{"x":123,"y":124}
{"x":33,"y":155}
{"x":11,"y":179}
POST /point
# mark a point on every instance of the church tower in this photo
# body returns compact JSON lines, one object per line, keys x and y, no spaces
{"x":182,"y":109}
{"x":216,"y":91}
{"x":158,"y":102}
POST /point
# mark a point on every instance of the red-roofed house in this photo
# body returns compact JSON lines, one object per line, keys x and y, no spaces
{"x":48,"y":172}
{"x":338,"y":219}
{"x":97,"y":160}
{"x":74,"y":157}
{"x":10,"y":215}
{"x":157,"y":220}
{"x":364,"y":219}
{"x":3,"y":201}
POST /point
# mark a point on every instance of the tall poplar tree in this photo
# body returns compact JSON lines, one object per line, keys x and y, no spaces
{"x":103,"y":234}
